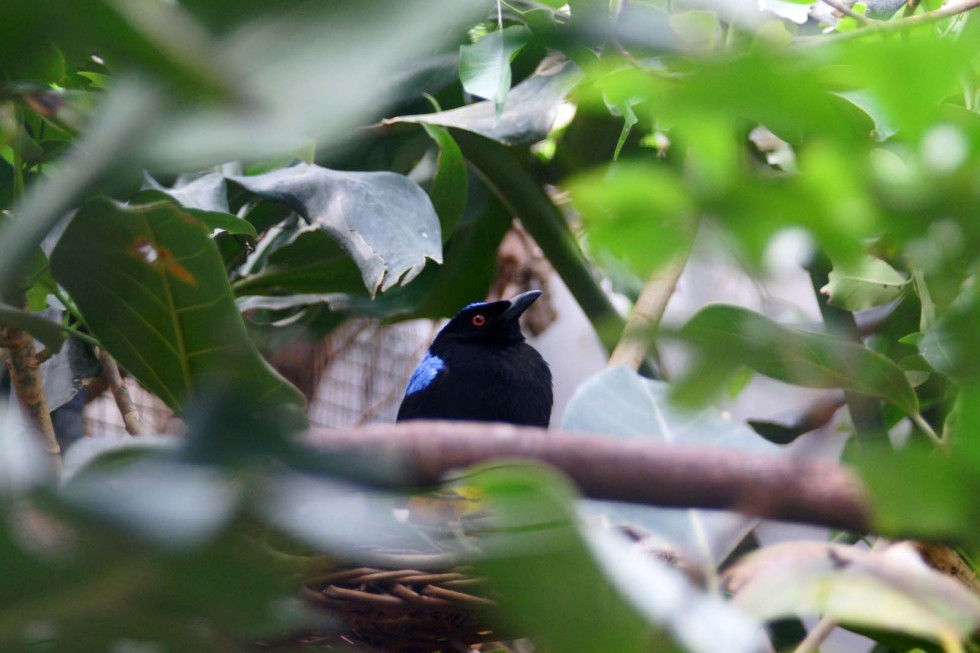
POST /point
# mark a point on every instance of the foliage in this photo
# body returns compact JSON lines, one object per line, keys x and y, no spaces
{"x":188,"y":181}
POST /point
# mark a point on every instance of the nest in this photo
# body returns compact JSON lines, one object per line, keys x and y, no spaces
{"x":407,"y":610}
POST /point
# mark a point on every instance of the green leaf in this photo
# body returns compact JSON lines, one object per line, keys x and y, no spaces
{"x":731,"y":335}
{"x":528,"y":116}
{"x":863,"y":284}
{"x":382,"y":220}
{"x":916,"y":492}
{"x":534,"y":538}
{"x":448,"y":191}
{"x":309,"y":262}
{"x":513,"y":184}
{"x":621,"y":403}
{"x":484,"y":67}
{"x":152,"y":288}
{"x":890,"y":590}
{"x":49,"y":333}
{"x":640,"y":213}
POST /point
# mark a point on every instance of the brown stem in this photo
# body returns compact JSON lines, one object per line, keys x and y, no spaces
{"x":25,"y":376}
{"x":646,"y":315}
{"x":127,"y":407}
{"x":640,"y":471}
{"x":847,"y":11}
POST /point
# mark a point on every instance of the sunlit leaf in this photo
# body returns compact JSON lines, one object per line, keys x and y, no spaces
{"x":891,"y":590}
{"x":864,"y":284}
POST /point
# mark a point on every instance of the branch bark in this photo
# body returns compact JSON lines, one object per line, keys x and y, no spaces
{"x":124,"y":401}
{"x":25,"y":376}
{"x":803,"y":491}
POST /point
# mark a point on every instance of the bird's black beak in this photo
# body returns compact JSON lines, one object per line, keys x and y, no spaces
{"x":518,"y":305}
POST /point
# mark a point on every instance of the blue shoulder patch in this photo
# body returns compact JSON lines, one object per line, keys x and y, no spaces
{"x":425,"y":373}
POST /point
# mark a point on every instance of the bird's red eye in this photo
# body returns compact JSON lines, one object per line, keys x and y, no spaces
{"x":479,"y":320}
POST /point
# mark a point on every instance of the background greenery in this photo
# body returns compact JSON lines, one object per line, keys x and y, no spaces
{"x":171,"y":180}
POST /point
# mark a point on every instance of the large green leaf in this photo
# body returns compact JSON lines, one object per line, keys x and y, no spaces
{"x":731,"y":335}
{"x":509,"y":179}
{"x":152,"y":288}
{"x":621,"y":403}
{"x":534,"y":538}
{"x":382,"y":220}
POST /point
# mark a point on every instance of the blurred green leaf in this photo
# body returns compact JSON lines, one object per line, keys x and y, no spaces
{"x":153,"y":290}
{"x":919,"y":492}
{"x":621,"y":403}
{"x":49,"y":333}
{"x":534,"y":538}
{"x":890,"y":590}
{"x":23,"y":463}
{"x":449,"y":187}
{"x":640,"y":213}
{"x":484,"y":67}
{"x":734,"y":336}
{"x":169,"y":503}
{"x":867,"y":283}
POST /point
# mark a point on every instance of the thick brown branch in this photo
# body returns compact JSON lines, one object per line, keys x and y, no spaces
{"x":25,"y":376}
{"x":124,"y":401}
{"x":804,"y":491}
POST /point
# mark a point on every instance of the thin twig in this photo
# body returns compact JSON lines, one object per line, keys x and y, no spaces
{"x":816,"y":636}
{"x":635,"y":470}
{"x":25,"y":376}
{"x":847,"y":11}
{"x":646,"y":315}
{"x":124,"y":401}
{"x":889,"y":26}
{"x":924,"y":426}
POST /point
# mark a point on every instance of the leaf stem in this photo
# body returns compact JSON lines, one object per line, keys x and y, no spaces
{"x":847,"y":11}
{"x":924,"y":426}
{"x":885,"y":27}
{"x":84,"y":337}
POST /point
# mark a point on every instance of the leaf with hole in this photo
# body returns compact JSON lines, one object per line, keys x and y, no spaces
{"x":152,"y":288}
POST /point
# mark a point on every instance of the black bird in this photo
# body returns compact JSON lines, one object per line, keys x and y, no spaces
{"x":479,"y":368}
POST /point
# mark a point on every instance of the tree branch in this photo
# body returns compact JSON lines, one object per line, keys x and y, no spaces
{"x":647,"y":313}
{"x":25,"y":376}
{"x":124,"y":401}
{"x":897,"y":25}
{"x":640,"y":471}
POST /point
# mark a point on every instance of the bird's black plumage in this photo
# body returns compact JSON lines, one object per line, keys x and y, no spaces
{"x":479,"y":368}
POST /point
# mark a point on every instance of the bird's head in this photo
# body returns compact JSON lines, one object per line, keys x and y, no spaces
{"x":488,"y":322}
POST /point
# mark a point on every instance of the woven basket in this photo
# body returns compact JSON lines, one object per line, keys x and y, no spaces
{"x":407,"y":610}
